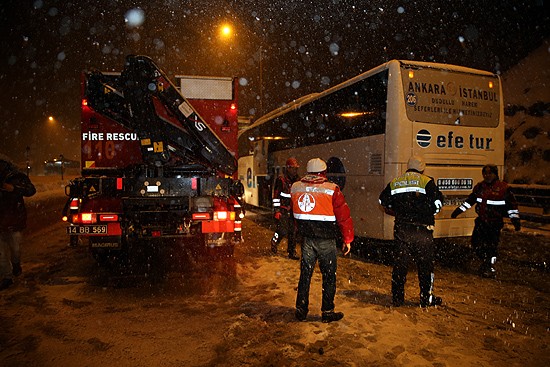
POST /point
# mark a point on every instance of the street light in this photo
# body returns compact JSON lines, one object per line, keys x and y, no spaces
{"x":226,"y":32}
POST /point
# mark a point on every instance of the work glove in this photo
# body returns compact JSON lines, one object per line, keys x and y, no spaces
{"x":516,"y":223}
{"x":277,"y":215}
{"x":456,"y":212}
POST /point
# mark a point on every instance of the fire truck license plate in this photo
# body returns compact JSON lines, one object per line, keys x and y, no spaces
{"x":76,"y":230}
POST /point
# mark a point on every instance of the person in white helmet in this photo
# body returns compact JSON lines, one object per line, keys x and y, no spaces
{"x":322,"y":217}
{"x":414,"y":199}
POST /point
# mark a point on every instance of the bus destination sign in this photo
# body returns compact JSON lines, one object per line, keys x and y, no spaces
{"x":455,"y":183}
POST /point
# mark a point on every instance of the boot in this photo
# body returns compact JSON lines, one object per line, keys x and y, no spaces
{"x":430,"y":301}
{"x":331,"y":316}
{"x":397,"y":302}
{"x":273,"y":246}
{"x":293,"y":256}
{"x":487,"y":269}
{"x":300,"y":314}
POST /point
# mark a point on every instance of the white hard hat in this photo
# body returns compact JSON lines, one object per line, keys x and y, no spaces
{"x":416,"y":163}
{"x":316,"y":165}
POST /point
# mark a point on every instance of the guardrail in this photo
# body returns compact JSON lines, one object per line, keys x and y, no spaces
{"x":533,"y":202}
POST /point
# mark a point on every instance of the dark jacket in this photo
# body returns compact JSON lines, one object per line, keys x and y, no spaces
{"x":281,"y":192}
{"x":13,"y":215}
{"x":493,"y":201}
{"x":413,"y":198}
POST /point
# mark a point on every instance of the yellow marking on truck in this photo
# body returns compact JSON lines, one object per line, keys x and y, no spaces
{"x":158,"y":146}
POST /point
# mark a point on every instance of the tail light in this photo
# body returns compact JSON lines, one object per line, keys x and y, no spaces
{"x":85,"y":218}
{"x":201,"y":215}
{"x":91,"y":218}
{"x":224,"y":215}
{"x":74,"y":204}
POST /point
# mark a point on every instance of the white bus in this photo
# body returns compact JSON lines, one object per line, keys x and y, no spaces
{"x":367,"y":127}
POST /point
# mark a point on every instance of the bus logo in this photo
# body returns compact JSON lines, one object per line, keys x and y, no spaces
{"x":306,"y":202}
{"x":410,"y":99}
{"x":423,"y":138}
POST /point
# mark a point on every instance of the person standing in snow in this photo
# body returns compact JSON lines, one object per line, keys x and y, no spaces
{"x":322,"y":216}
{"x":414,"y":199}
{"x":14,"y":185}
{"x":281,"y":209}
{"x":493,"y":200}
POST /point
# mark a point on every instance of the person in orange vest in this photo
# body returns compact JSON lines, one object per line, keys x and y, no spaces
{"x":413,"y":199}
{"x":493,"y":200}
{"x":281,"y":208}
{"x":322,"y":217}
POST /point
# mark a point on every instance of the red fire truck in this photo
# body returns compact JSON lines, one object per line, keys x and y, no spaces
{"x":155,"y":164}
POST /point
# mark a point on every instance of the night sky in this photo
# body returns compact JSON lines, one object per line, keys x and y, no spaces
{"x":306,"y":46}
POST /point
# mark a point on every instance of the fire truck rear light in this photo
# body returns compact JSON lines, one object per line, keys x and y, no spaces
{"x":87,"y":218}
{"x":198,"y":216}
{"x":64,"y":219}
{"x":74,"y":204}
{"x":156,"y":233}
{"x":119,"y":183}
{"x":108,"y":217}
{"x":220,"y":215}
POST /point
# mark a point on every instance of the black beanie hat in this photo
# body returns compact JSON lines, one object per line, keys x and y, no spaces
{"x":492,"y":167}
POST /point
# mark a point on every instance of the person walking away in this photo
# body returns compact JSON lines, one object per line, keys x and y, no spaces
{"x":493,"y":201}
{"x":286,"y":225}
{"x":14,"y":185}
{"x":414,"y":199}
{"x":322,"y":217}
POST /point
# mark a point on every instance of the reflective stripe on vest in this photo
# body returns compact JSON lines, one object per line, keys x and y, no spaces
{"x":492,"y":202}
{"x":313,"y":202}
{"x":413,"y":182}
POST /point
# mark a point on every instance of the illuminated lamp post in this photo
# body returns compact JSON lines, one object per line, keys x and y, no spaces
{"x":226,"y":33}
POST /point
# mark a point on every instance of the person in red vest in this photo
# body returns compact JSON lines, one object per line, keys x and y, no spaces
{"x":493,"y":200}
{"x":286,"y":226}
{"x":322,"y":217}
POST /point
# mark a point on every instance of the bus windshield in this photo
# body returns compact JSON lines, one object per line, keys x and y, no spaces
{"x":450,"y":97}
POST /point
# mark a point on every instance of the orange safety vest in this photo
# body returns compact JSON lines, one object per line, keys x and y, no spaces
{"x":313,"y":201}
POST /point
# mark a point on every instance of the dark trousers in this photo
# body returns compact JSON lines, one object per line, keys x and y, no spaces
{"x":412,"y":242}
{"x":324,"y":250}
{"x":286,"y":227}
{"x":485,"y":239}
